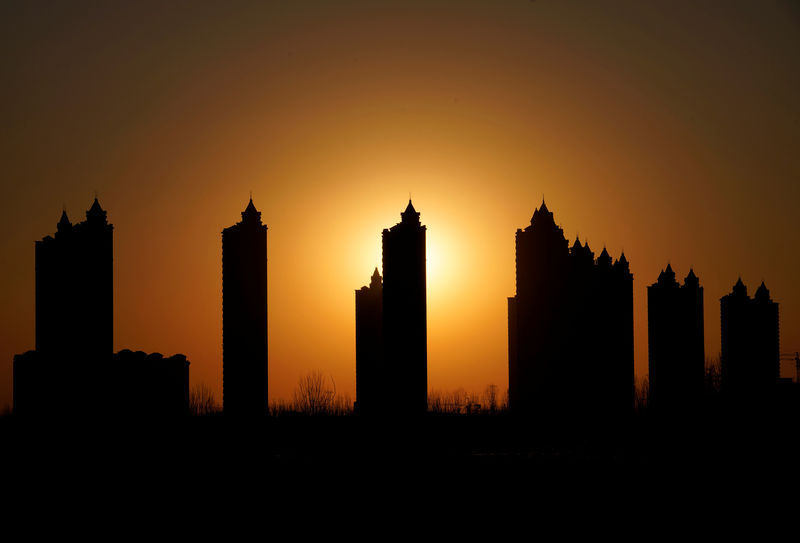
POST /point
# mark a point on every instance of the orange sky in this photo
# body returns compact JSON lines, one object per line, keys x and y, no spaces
{"x":664,"y":128}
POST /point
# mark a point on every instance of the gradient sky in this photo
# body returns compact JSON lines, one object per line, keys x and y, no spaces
{"x":668,"y":129}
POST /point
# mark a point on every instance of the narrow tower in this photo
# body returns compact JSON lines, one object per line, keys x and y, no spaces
{"x":244,"y":315}
{"x":405,"y":314}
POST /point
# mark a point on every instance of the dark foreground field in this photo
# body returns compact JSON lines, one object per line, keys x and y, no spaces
{"x":215,"y":448}
{"x":459,"y":470}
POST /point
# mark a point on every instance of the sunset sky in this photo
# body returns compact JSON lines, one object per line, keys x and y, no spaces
{"x":667,"y":129}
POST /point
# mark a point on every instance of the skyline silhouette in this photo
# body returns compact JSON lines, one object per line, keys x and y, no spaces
{"x":570,"y":333}
{"x":665,"y":130}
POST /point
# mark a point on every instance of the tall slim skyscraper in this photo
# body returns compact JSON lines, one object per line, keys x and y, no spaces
{"x":570,"y":327}
{"x":750,"y":355}
{"x":675,"y":344}
{"x":244,"y":315}
{"x":405,"y":330}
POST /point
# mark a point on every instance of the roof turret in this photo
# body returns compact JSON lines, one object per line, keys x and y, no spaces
{"x":63,"y":223}
{"x":762,"y":293}
{"x":251,"y":214}
{"x":739,"y":289}
{"x":96,"y":214}
{"x":604,"y":260}
{"x":667,"y":276}
{"x":691,"y":280}
{"x":410,"y":215}
{"x":375,"y":281}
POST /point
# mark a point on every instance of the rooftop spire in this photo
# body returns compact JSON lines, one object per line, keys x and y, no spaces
{"x":375,"y":281}
{"x":739,"y":289}
{"x":542,"y":214}
{"x":96,"y":213}
{"x":250,"y":213}
{"x":691,"y":279}
{"x":667,"y":275}
{"x":604,"y":259}
{"x":63,"y":223}
{"x":410,"y":215}
{"x":762,"y":293}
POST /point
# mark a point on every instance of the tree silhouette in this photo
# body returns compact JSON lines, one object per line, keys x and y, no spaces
{"x":313,"y":396}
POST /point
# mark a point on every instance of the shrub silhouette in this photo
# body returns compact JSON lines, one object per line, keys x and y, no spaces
{"x":201,"y":401}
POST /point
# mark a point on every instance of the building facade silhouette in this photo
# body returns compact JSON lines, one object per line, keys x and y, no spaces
{"x":74,"y":370}
{"x":750,"y":356}
{"x":405,"y":328}
{"x":392,"y":350}
{"x":75,"y":288}
{"x":244,"y":315}
{"x":570,"y":327}
{"x":676,"y":346}
{"x":370,"y":379}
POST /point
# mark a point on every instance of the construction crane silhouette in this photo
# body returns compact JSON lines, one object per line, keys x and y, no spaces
{"x":796,"y":358}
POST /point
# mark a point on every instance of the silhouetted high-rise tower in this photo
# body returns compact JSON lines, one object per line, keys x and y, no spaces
{"x":570,"y":327}
{"x":750,"y":356}
{"x":75,"y":288}
{"x":405,"y":314}
{"x":675,"y":344}
{"x":244,"y":315}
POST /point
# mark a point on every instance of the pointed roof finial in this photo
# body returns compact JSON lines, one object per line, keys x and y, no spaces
{"x":410,"y":215}
{"x":250,"y":213}
{"x":604,"y":259}
{"x":375,"y":280}
{"x":691,"y":279}
{"x":63,"y":223}
{"x":762,"y":293}
{"x":96,"y":212}
{"x":739,"y":288}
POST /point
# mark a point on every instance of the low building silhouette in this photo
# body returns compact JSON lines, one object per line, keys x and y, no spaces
{"x":676,"y":346}
{"x":73,"y":371}
{"x":244,"y":316}
{"x":750,"y":356}
{"x":391,"y":325}
{"x":570,"y":328}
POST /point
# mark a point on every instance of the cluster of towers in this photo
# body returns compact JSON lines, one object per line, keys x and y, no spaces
{"x":570,"y":330}
{"x":74,"y":363}
{"x":750,"y":354}
{"x":570,"y":327}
